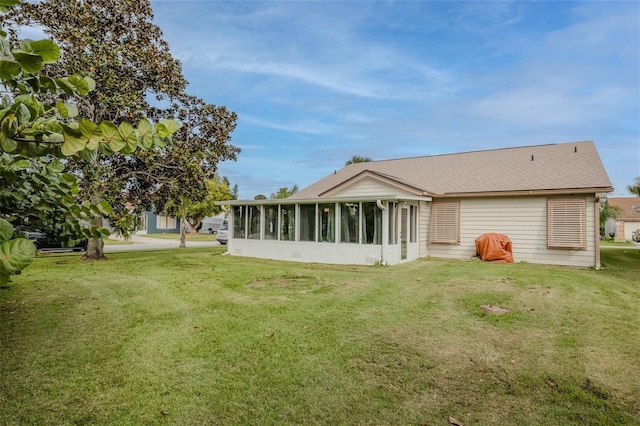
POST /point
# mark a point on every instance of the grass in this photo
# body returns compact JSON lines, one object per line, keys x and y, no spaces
{"x":611,"y":243}
{"x":183,"y":337}
{"x":190,"y":237}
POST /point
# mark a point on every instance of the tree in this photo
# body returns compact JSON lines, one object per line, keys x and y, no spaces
{"x":179,"y":172}
{"x":33,"y":190}
{"x":116,"y":44}
{"x":358,"y":159}
{"x":634,"y":188}
{"x":284,"y":192}
{"x":607,"y":212}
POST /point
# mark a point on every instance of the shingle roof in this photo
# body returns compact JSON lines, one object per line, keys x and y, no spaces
{"x":630,"y":207}
{"x":565,"y":166}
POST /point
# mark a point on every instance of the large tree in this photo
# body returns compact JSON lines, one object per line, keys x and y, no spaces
{"x":183,"y":169}
{"x":33,"y":190}
{"x":116,"y":44}
{"x":358,"y":159}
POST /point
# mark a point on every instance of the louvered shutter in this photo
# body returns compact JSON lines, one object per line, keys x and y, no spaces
{"x":567,"y":223}
{"x":445,"y":223}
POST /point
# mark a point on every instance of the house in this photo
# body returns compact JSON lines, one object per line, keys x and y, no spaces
{"x":544,"y":198}
{"x":629,"y":219}
{"x":152,"y":223}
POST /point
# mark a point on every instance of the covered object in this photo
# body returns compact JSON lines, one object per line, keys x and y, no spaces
{"x":494,"y":247}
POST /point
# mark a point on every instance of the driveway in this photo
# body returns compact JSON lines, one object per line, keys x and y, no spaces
{"x":140,"y":242}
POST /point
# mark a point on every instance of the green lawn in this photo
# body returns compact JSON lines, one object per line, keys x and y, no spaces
{"x":190,"y":337}
{"x":190,"y":237}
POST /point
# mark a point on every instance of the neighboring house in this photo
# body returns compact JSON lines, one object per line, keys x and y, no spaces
{"x":151,"y":223}
{"x":629,"y":219}
{"x":544,"y":198}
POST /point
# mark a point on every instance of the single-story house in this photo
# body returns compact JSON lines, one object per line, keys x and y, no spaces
{"x":629,"y":219}
{"x":153,"y":223}
{"x":544,"y":198}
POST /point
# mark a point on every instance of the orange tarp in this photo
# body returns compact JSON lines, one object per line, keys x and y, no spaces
{"x":494,"y":248}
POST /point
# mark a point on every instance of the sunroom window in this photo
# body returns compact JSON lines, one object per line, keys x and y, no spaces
{"x":327,"y":223}
{"x":307,"y":222}
{"x":288,"y":222}
{"x":270,"y":222}
{"x":349,"y":221}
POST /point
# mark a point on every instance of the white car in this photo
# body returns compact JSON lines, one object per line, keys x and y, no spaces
{"x":223,"y":234}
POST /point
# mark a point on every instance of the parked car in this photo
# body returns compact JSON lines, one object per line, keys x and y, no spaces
{"x":223,"y":234}
{"x":635,"y":235}
{"x":42,"y":242}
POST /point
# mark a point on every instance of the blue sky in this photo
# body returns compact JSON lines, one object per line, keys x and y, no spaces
{"x":314,"y":83}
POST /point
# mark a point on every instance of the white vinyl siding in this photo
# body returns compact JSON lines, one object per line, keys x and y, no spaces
{"x":566,"y":223}
{"x":524,"y":221}
{"x":445,"y":223}
{"x":369,"y":187}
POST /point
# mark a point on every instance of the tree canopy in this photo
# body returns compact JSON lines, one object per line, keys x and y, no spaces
{"x":116,"y":44}
{"x":358,"y":159}
{"x":284,"y":192}
{"x":634,"y":188}
{"x":35,"y":128}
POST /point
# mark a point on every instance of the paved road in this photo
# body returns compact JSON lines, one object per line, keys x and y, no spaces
{"x":141,"y":242}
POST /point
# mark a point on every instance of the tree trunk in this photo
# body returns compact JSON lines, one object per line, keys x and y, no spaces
{"x":95,"y":247}
{"x":183,"y":232}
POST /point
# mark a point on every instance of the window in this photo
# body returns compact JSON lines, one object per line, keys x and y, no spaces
{"x":307,"y":222}
{"x":445,"y":223}
{"x":371,"y":224}
{"x":393,"y":223}
{"x":413,"y":219}
{"x":326,"y":224}
{"x":238,"y":221}
{"x":567,"y":223}
{"x":288,"y":222}
{"x":271,"y":222}
{"x":166,"y":222}
{"x":349,"y":221}
{"x":254,"y":222}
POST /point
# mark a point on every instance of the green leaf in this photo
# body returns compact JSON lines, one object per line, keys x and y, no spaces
{"x":17,"y":254}
{"x":111,"y":136}
{"x":129,"y":136}
{"x":80,"y":84}
{"x":29,"y":62}
{"x":9,"y":69}
{"x":21,"y":165}
{"x":6,"y":231}
{"x":104,"y":207}
{"x":73,"y":140}
{"x":7,"y":144}
{"x":47,"y":49}
{"x":23,"y":114}
{"x":145,"y":133}
{"x":64,"y":84}
{"x":167,"y":127}
{"x":66,"y":110}
{"x":91,"y":131}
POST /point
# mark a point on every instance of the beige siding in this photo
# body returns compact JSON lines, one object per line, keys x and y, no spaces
{"x":523,"y":220}
{"x":424,"y":211}
{"x":369,"y":187}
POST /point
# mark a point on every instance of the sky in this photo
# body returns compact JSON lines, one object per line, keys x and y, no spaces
{"x":315,"y":82}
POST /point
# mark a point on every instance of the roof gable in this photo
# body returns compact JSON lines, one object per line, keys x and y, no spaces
{"x":568,"y":167}
{"x":367,"y":182}
{"x":630,"y":207}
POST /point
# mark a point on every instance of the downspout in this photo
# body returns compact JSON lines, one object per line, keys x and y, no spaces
{"x":383,"y":257}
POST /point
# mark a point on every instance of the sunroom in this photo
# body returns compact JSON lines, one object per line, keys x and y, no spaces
{"x":362,"y":231}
